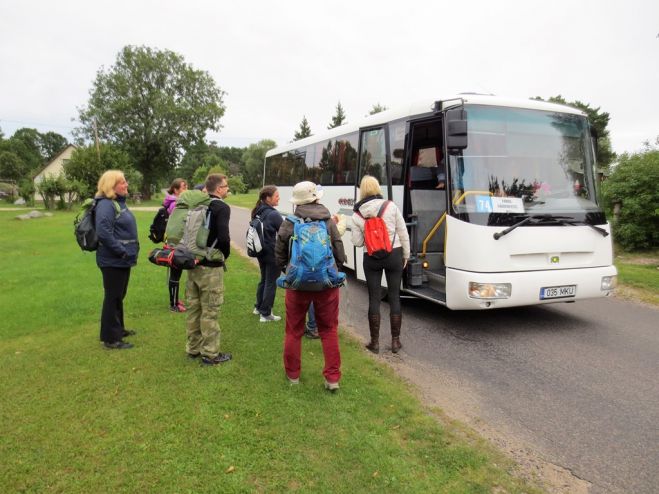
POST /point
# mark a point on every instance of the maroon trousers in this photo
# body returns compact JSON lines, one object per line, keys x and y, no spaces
{"x":326,"y":306}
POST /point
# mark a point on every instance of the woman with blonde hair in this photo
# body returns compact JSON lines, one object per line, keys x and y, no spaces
{"x":117,"y":253}
{"x":370,"y":205}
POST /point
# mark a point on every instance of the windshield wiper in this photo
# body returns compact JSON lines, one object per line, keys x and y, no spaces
{"x":568,"y":220}
{"x":537,"y":219}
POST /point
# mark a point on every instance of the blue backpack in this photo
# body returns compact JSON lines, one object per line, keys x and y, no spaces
{"x":311,"y":265}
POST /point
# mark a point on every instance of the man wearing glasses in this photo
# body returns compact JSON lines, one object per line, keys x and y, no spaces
{"x":205,"y":285}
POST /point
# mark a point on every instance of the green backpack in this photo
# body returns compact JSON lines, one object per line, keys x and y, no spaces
{"x":189,"y":225}
{"x":188,"y":200}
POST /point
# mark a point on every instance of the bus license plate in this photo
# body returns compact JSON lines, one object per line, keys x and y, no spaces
{"x":564,"y":291}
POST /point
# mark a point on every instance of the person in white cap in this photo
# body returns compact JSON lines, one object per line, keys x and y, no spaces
{"x":306,"y":197}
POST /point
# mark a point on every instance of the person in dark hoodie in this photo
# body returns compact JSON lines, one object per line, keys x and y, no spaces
{"x":116,"y":255}
{"x":306,"y":197}
{"x":271,"y":219}
{"x":370,"y":201}
{"x":177,"y":187}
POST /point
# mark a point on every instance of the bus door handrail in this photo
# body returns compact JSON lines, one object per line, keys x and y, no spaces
{"x":442,"y":218}
{"x":431,"y":234}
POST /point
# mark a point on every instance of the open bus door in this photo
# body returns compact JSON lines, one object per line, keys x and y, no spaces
{"x":426,"y":204}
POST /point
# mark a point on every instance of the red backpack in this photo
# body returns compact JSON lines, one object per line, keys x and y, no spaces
{"x":376,"y":235}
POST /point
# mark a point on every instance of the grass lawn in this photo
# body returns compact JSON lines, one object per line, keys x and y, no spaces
{"x":77,"y":418}
{"x":638,"y":274}
{"x":244,"y":200}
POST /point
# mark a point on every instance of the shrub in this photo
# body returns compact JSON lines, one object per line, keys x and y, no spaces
{"x":633,"y":184}
{"x":26,"y":190}
{"x":237,"y":185}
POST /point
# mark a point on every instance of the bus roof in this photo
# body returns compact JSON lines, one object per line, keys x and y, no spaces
{"x":424,"y":107}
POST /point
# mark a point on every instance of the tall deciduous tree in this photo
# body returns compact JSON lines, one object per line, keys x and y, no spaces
{"x":11,"y":166}
{"x":50,"y":144}
{"x":253,"y":157}
{"x":304,"y":130}
{"x":339,"y":117}
{"x":153,"y":104}
{"x":599,"y":121}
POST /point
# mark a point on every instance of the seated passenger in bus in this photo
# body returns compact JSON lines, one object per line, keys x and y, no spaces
{"x":428,"y":170}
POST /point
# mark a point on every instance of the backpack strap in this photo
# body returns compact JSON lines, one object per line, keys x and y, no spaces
{"x":383,"y":207}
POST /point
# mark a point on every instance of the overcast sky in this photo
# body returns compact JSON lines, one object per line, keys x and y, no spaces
{"x":280,"y":60}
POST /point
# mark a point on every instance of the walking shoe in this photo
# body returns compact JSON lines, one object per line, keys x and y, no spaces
{"x":180,"y":306}
{"x":220,"y":359}
{"x":293,"y":381}
{"x":118,"y":345}
{"x":269,"y":318}
{"x":256,"y":312}
{"x":331,"y":386}
{"x":129,"y":332}
{"x":175,"y":308}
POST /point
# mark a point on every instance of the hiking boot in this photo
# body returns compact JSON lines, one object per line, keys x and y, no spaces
{"x":193,"y":356}
{"x":310,"y":332}
{"x":220,"y":359}
{"x":270,"y":318}
{"x":331,"y":386}
{"x":256,"y":312}
{"x":129,"y":332}
{"x":180,"y":306}
{"x":118,"y":345}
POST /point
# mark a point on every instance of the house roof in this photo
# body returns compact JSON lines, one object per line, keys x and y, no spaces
{"x":53,"y":159}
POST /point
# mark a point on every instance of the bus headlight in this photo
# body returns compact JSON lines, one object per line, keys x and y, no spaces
{"x":609,"y":283}
{"x":489,"y":290}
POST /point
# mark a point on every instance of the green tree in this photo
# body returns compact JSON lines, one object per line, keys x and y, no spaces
{"x":599,"y":121}
{"x":25,"y":144}
{"x":339,"y":117}
{"x":153,"y":104}
{"x":303,"y":131}
{"x":254,"y":157}
{"x":50,"y":144}
{"x":633,"y":184}
{"x":11,"y":166}
{"x":377,"y":108}
{"x":86,"y":167}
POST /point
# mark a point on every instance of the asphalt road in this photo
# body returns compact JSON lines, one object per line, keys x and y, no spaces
{"x":577,"y":383}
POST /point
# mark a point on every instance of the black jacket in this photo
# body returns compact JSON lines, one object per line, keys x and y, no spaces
{"x":313,"y":211}
{"x":271,"y":219}
{"x":219,"y":229}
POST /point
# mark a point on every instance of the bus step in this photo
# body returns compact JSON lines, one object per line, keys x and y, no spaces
{"x":428,"y":294}
{"x":436,"y":279}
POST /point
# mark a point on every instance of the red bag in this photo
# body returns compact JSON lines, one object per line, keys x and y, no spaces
{"x":376,"y":235}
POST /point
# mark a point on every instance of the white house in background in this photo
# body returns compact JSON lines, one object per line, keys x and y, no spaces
{"x":55,"y":167}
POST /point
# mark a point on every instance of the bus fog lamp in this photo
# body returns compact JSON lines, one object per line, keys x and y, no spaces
{"x":609,"y":283}
{"x":489,"y":290}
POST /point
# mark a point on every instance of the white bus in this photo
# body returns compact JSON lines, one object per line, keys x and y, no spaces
{"x":500,"y":197}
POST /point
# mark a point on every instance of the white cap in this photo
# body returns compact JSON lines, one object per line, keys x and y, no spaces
{"x":306,"y":193}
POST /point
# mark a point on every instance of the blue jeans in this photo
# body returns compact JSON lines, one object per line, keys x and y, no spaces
{"x":267,"y":287}
{"x":311,"y":321}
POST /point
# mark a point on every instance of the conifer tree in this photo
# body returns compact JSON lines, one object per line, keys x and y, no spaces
{"x":305,"y":130}
{"x":339,"y":118}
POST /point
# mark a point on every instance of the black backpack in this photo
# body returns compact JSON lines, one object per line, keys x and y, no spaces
{"x":84,"y":224}
{"x":159,"y":225}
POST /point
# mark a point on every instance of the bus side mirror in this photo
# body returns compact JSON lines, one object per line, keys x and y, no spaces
{"x":456,"y":129}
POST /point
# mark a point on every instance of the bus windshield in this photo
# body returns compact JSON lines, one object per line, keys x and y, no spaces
{"x":524,"y":162}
